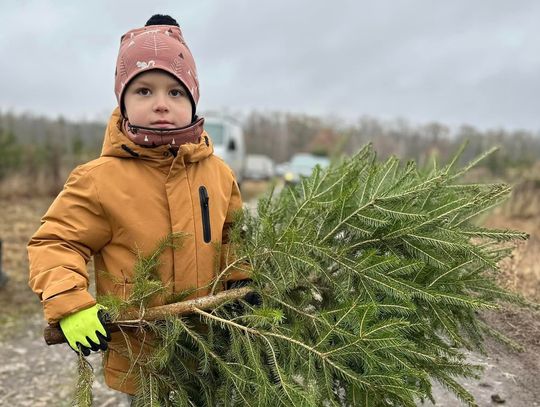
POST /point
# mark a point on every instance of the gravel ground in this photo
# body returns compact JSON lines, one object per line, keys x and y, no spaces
{"x":37,"y":375}
{"x":509,"y":378}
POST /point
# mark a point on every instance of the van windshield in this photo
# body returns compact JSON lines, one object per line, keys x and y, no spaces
{"x":215,"y":130}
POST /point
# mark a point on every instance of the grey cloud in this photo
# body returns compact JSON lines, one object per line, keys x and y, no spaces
{"x":455,"y":62}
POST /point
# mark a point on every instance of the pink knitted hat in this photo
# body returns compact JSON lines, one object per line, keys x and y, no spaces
{"x":155,"y":47}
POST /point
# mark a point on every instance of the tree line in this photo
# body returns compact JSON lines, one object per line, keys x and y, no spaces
{"x":280,"y":135}
{"x":41,"y":151}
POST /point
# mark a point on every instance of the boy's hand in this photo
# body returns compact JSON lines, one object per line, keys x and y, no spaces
{"x":85,"y":330}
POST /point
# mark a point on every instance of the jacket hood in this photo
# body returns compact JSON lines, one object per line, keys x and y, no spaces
{"x":117,"y":144}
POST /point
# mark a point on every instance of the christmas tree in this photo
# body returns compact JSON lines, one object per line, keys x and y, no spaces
{"x":370,"y":274}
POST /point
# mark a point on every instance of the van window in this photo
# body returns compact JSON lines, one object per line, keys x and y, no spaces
{"x":215,"y":130}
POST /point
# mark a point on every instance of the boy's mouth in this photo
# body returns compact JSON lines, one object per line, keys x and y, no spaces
{"x":163,"y":124}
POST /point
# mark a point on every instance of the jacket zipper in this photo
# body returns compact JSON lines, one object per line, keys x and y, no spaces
{"x":205,"y":210}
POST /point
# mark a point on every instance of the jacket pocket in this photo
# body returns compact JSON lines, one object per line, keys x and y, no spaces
{"x":205,"y":211}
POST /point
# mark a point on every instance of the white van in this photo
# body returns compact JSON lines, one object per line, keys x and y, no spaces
{"x":228,"y":138}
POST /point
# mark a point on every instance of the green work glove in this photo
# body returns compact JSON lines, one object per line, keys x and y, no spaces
{"x":85,"y":330}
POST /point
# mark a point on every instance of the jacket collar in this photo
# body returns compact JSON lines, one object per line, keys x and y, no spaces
{"x":117,"y":144}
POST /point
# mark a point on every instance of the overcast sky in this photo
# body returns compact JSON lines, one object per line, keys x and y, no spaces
{"x":458,"y":61}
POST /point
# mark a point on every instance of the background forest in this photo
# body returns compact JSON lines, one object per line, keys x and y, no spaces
{"x":37,"y":153}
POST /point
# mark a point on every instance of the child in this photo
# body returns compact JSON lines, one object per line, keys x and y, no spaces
{"x":157,"y":174}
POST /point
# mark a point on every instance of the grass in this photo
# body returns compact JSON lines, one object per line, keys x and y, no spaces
{"x":18,"y":221}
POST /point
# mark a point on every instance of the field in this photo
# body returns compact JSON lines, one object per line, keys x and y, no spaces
{"x":31,"y":374}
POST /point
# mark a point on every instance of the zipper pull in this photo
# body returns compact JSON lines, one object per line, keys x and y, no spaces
{"x":204,"y":196}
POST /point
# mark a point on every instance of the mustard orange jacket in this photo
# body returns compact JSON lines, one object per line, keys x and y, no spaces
{"x":123,"y":202}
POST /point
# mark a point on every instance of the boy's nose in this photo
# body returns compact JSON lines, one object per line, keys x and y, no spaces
{"x":160,"y":105}
{"x":161,"y":108}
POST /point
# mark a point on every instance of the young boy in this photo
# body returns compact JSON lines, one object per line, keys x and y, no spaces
{"x":157,"y":174}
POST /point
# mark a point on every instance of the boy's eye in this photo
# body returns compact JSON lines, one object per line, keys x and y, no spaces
{"x":143,"y":91}
{"x":177,"y":92}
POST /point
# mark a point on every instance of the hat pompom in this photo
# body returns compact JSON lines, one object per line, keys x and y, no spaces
{"x":161,"y":19}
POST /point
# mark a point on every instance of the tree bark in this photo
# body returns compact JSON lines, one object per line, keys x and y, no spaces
{"x":132,"y":318}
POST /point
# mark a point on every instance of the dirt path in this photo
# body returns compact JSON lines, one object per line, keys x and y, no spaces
{"x":34,"y":374}
{"x":510,"y":378}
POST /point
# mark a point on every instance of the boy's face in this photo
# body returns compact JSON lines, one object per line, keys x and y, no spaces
{"x":157,"y":99}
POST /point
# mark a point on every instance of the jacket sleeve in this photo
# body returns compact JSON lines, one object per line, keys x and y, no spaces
{"x":73,"y":228}
{"x":242,"y":271}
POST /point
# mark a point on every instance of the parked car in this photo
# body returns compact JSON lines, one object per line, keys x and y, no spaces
{"x":259,"y":167}
{"x":229,"y":144}
{"x":281,"y":169}
{"x":302,"y":165}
